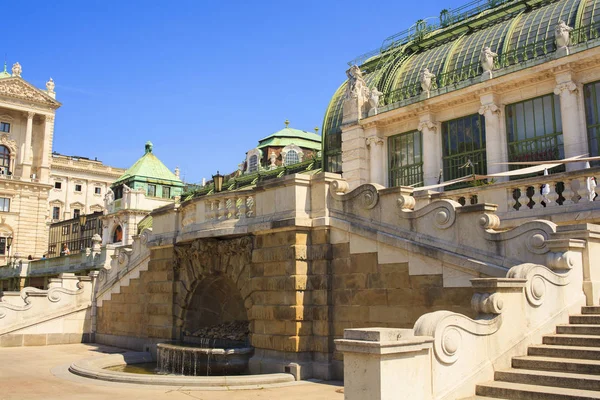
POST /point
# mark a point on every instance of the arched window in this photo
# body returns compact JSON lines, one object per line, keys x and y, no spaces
{"x":292,"y":157}
{"x":118,"y":235}
{"x":253,"y":165}
{"x":4,"y":160}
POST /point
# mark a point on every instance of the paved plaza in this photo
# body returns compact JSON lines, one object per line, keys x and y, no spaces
{"x":41,"y":373}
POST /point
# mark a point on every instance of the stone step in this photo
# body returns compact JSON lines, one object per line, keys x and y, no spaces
{"x":588,"y":319}
{"x":576,"y":365}
{"x":590,"y":310}
{"x":580,"y":329}
{"x":508,"y":390}
{"x":549,"y":378}
{"x":480,"y":398}
{"x":572,"y":340}
{"x":545,"y":350}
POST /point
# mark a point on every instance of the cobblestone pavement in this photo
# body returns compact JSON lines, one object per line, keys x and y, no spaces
{"x":28,"y":373}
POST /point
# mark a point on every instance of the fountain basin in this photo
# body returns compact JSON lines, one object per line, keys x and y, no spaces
{"x":203,"y":359}
{"x":95,"y":368}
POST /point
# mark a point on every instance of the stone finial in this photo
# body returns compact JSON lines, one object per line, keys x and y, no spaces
{"x":16,"y":69}
{"x":562,"y":34}
{"x":317,"y":130}
{"x":426,"y":81}
{"x":486,"y":58}
{"x":177,"y":172}
{"x":50,"y":86}
{"x":287,"y":123}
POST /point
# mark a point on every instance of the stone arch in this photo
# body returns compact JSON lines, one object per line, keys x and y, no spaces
{"x":215,"y":264}
{"x":117,"y":234}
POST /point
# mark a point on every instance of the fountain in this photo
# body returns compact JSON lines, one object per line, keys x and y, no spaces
{"x":218,"y":350}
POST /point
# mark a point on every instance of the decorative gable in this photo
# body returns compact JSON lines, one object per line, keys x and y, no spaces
{"x":19,"y":89}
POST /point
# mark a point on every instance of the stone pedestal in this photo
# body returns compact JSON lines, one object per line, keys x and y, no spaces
{"x":386,"y":364}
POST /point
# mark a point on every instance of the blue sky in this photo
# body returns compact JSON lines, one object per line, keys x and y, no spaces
{"x":204,"y":81}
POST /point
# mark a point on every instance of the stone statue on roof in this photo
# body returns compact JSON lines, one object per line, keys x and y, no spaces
{"x":487,"y":62}
{"x":356,"y":83}
{"x":426,"y":79}
{"x":273,"y":158}
{"x":374,"y":98}
{"x":562,"y":34}
{"x":50,"y":86}
{"x":16,"y":69}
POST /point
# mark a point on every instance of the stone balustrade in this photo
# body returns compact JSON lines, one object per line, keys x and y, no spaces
{"x":234,"y":205}
{"x":530,"y":198}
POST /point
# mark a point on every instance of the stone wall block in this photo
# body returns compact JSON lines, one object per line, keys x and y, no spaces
{"x":318,"y":282}
{"x":370,"y":297}
{"x":319,"y":236}
{"x":341,"y":250}
{"x":319,"y":267}
{"x":320,"y":252}
{"x":350,"y":281}
{"x":363,"y":262}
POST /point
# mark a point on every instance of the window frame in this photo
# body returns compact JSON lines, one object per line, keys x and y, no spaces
{"x":148,"y":191}
{"x":4,"y":127}
{"x":535,"y":147}
{"x":97,"y":190}
{"x":78,"y":187}
{"x":408,"y":170}
{"x":4,"y":204}
{"x":452,"y":161}
{"x":166,"y":192}
{"x":55,"y":212}
{"x":59,"y":183}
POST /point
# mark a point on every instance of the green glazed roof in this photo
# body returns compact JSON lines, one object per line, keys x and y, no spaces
{"x":149,"y":168}
{"x":288,"y":136}
{"x":452,"y":49}
{"x":4,"y":74}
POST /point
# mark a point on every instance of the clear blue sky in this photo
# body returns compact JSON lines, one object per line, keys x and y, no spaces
{"x":204,"y":81}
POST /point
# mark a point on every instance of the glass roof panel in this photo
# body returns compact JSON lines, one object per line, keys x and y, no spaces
{"x":433,"y":59}
{"x":469,"y":49}
{"x":591,"y":12}
{"x":539,"y":24}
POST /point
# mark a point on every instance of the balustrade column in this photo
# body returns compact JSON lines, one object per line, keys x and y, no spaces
{"x":495,"y":137}
{"x":432,"y":158}
{"x":376,"y":160}
{"x":26,"y":153}
{"x":575,"y":139}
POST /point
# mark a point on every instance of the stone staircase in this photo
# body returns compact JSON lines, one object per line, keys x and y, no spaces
{"x":565,"y":366}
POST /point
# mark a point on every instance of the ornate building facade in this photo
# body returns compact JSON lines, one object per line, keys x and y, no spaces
{"x":79,"y":186}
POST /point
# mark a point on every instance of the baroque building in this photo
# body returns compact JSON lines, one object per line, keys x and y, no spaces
{"x":26,"y":132}
{"x":79,"y":186}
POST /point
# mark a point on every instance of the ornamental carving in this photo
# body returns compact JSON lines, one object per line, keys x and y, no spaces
{"x":374,"y":140}
{"x":365,"y":196}
{"x":427,"y":125}
{"x":489,"y":109}
{"x":19,"y":89}
{"x":568,"y":87}
{"x":16,"y":69}
{"x":486,"y":58}
{"x":5,"y":140}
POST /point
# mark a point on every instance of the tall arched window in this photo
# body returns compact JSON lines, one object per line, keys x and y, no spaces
{"x":292,"y":157}
{"x":4,"y":160}
{"x":118,"y":235}
{"x":253,"y":165}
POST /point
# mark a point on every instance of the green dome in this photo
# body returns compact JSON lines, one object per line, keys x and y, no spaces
{"x":519,"y":29}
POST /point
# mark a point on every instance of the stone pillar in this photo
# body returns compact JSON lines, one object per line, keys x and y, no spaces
{"x":386,"y":364}
{"x":376,"y":160}
{"x":575,"y":139}
{"x":26,"y":154}
{"x":46,"y":149}
{"x":495,"y":136}
{"x":432,"y":150}
{"x":354,"y":156}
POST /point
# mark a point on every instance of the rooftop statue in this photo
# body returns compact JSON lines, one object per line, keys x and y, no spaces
{"x":356,"y":83}
{"x":374,"y":99}
{"x":562,"y":33}
{"x":487,"y":62}
{"x":16,"y":69}
{"x":426,"y":81}
{"x":50,"y":86}
{"x":357,"y":96}
{"x":273,"y":158}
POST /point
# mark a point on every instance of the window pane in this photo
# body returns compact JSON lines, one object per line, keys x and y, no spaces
{"x":404,"y":159}
{"x":470,"y":145}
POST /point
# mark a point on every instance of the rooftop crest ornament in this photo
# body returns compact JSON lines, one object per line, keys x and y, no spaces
{"x":16,"y":69}
{"x":487,"y":63}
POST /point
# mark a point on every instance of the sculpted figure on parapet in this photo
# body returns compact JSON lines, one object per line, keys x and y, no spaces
{"x":562,"y":33}
{"x":16,"y":69}
{"x":356,"y":83}
{"x":426,"y":81}
{"x":487,"y":59}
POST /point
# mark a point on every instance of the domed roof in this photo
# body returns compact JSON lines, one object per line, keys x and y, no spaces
{"x":289,"y":135}
{"x":517,"y":29}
